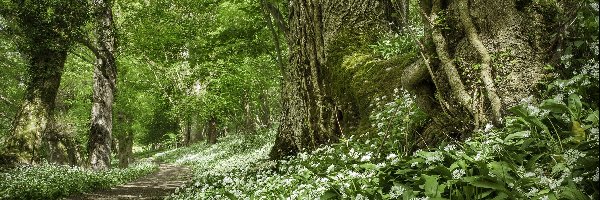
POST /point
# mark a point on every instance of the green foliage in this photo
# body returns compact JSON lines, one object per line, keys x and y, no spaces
{"x":537,"y":155}
{"x":49,"y":181}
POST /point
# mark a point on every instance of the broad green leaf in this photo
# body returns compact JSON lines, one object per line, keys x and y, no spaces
{"x":368,"y":166}
{"x":575,"y":105}
{"x":485,"y":183}
{"x":329,"y":194}
{"x":432,"y":187}
{"x":554,"y":106}
{"x":593,"y":117}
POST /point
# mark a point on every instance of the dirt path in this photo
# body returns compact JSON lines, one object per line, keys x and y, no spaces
{"x":153,"y":186}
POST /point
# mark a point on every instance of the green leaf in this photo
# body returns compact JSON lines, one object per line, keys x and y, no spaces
{"x":531,"y":163}
{"x":230,"y":195}
{"x":432,"y":188}
{"x":329,"y":194}
{"x":501,"y":170}
{"x":485,"y":183}
{"x":593,"y":117}
{"x":575,"y":105}
{"x":519,"y":111}
{"x":368,"y":166}
{"x":554,"y":106}
{"x":501,"y":196}
{"x":520,"y":134}
{"x":570,"y":192}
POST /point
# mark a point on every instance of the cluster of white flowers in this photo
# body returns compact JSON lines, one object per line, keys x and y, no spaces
{"x":396,"y":191}
{"x":572,"y":155}
{"x":450,"y":147}
{"x":458,"y":173}
{"x":434,"y":157}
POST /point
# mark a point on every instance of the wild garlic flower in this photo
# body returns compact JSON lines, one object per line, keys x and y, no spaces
{"x":391,"y":156}
{"x":458,"y":173}
{"x":396,"y":191}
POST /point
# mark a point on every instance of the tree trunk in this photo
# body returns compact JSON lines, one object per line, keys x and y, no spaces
{"x":309,"y":117}
{"x":73,"y":155}
{"x":212,"y":131}
{"x":105,"y":74}
{"x":197,"y":130}
{"x":265,"y":110}
{"x":187,"y":132}
{"x":35,"y":119}
{"x":250,"y":125}
{"x":126,"y":150}
{"x":459,"y":84}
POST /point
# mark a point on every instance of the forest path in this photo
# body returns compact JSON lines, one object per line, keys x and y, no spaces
{"x":154,"y":186}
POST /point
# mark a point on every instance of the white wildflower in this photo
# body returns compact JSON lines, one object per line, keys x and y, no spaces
{"x":450,"y":147}
{"x":396,"y":191}
{"x":330,"y":168}
{"x":458,"y":173}
{"x":572,"y":155}
{"x":391,"y":156}
{"x":366,"y":157}
{"x":488,"y":128}
{"x":532,"y":192}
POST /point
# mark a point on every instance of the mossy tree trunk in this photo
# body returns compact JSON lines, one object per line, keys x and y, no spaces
{"x":105,"y":74}
{"x":309,"y":112}
{"x":479,"y":59}
{"x":35,"y":121}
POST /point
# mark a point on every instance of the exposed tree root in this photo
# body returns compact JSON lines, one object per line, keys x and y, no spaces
{"x":456,"y":85}
{"x":485,"y":72}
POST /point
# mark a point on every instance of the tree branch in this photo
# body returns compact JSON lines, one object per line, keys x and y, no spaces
{"x":279,"y":19}
{"x":87,"y":43}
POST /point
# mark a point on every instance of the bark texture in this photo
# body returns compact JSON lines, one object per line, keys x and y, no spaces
{"x":309,"y":112}
{"x":212,"y":131}
{"x":36,"y":118}
{"x":105,"y":74}
{"x":479,"y":58}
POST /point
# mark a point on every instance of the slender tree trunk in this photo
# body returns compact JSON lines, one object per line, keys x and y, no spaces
{"x":35,"y":119}
{"x":265,"y":110}
{"x":250,"y":125}
{"x":187,"y":132}
{"x":105,"y":74}
{"x":126,"y":150}
{"x":211,"y":132}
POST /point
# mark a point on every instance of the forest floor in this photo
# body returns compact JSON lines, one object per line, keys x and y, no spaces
{"x":154,"y":186}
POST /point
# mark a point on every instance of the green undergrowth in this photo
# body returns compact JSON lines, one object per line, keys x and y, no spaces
{"x":546,"y":149}
{"x":48,"y":181}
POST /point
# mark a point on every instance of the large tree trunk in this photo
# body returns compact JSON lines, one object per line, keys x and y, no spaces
{"x":35,"y":120}
{"x":309,"y":114}
{"x":459,"y":84}
{"x":105,"y":74}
